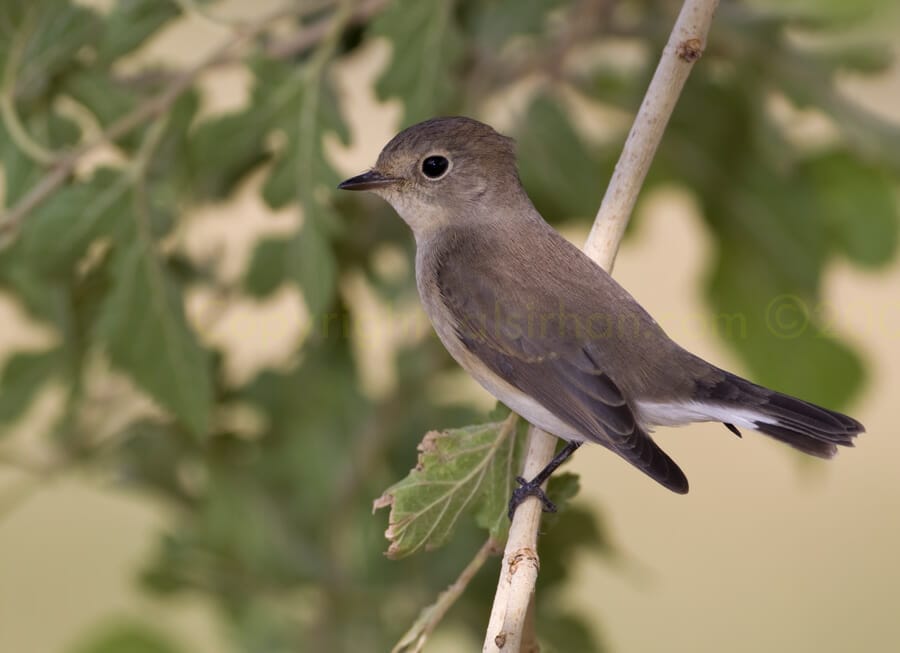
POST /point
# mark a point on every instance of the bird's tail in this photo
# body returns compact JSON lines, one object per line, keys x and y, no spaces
{"x":805,"y":426}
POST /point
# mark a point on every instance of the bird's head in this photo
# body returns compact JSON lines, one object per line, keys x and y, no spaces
{"x":443,"y":170}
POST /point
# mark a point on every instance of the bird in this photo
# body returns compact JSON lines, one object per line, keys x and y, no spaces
{"x":547,"y":331}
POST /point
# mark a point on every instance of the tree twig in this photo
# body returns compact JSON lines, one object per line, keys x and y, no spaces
{"x":520,"y":564}
{"x":414,"y":639}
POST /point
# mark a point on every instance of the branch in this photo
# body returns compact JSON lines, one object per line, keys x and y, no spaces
{"x":153,"y":107}
{"x":414,"y":639}
{"x":520,"y":564}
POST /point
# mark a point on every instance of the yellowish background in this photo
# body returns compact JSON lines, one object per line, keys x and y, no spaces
{"x":765,"y":554}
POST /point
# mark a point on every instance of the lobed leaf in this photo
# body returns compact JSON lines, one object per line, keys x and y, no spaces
{"x":82,"y":212}
{"x":306,"y":259}
{"x":304,"y":110}
{"x":427,"y":48}
{"x":145,"y":332}
{"x":224,"y":149}
{"x":54,"y":32}
{"x":470,"y":470}
{"x":130,"y":23}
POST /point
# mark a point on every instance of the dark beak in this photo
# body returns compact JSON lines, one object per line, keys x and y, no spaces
{"x":367,"y":181}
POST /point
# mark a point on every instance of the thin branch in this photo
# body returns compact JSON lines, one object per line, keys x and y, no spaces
{"x":414,"y":639}
{"x":520,"y":559}
{"x":158,"y":104}
{"x":300,"y":41}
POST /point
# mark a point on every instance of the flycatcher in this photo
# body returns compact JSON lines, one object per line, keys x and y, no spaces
{"x":545,"y":329}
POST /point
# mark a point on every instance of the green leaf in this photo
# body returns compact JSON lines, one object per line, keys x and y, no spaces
{"x":302,"y":110}
{"x":313,"y":266}
{"x":269,"y":267}
{"x":224,"y":149}
{"x":811,"y":84}
{"x":55,"y":31}
{"x":130,"y":24}
{"x":777,"y":217}
{"x":502,"y":19}
{"x":146,"y":334}
{"x":58,"y":232}
{"x":37,"y":294}
{"x":24,"y":374}
{"x":427,"y":51}
{"x":781,"y":334}
{"x":467,"y":470}
{"x":102,"y":95}
{"x":128,"y":638}
{"x":306,"y":259}
{"x":573,"y":185}
{"x":20,"y":171}
{"x":170,"y":168}
{"x":859,"y":207}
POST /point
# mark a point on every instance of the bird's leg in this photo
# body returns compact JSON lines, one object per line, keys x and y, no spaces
{"x":532,"y":488}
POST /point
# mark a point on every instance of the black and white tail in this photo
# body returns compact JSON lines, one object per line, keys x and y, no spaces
{"x":805,"y":426}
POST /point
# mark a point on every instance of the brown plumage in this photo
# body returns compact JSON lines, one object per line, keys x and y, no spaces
{"x":545,"y":329}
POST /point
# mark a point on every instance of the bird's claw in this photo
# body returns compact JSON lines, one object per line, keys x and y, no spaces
{"x":529,"y":489}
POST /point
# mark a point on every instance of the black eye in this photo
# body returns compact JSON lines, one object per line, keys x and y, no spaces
{"x":435,"y":166}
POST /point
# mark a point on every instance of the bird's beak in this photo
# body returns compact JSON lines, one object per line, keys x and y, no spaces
{"x":367,"y":181}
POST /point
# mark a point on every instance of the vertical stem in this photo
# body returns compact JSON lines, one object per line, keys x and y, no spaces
{"x":685,"y":46}
{"x":520,"y":559}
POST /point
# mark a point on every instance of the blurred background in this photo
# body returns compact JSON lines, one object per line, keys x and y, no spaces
{"x":212,"y":362}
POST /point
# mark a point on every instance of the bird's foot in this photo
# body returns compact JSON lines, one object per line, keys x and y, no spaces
{"x":527,"y":489}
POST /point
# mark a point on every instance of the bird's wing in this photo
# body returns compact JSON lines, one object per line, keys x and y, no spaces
{"x":543,"y":357}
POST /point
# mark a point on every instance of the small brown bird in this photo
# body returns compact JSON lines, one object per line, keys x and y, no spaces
{"x":545,"y":329}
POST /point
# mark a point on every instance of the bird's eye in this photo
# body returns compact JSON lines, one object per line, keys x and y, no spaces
{"x":434,"y":167}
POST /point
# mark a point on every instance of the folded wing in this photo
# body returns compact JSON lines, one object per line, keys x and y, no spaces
{"x":547,"y":360}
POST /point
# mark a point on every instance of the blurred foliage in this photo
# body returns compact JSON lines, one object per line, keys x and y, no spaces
{"x":127,"y":637}
{"x":274,"y":526}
